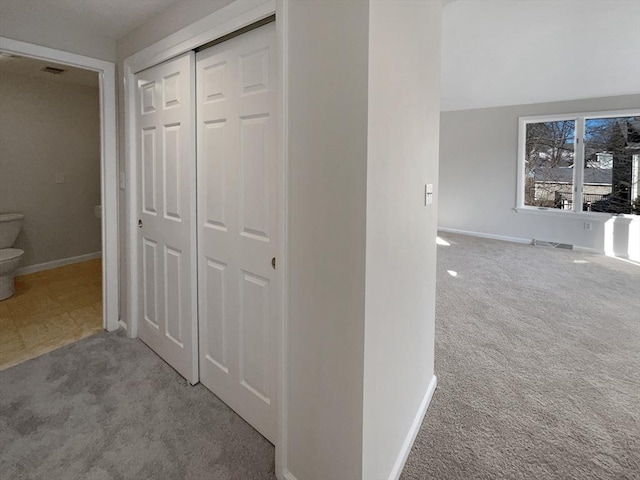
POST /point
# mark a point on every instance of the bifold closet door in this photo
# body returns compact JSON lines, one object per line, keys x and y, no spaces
{"x":166,"y":208}
{"x":238,"y":236}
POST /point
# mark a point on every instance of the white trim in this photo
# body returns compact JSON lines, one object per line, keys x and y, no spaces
{"x":630,"y":112}
{"x":122,"y":325}
{"x":287,"y":475}
{"x":193,"y":174}
{"x":525,"y":241}
{"x":228,"y":19}
{"x":57,"y":263}
{"x":282,"y":373}
{"x":413,"y":431}
{"x":131,"y":308}
{"x":108,"y":163}
{"x":578,"y":166}
{"x":503,"y":238}
{"x":522,"y":145}
{"x":409,"y":440}
{"x":578,"y":155}
{"x":556,"y":212}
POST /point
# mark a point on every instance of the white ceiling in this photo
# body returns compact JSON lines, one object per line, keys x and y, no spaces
{"x":510,"y":52}
{"x":32,"y":68}
{"x":494,"y":52}
{"x":108,"y":18}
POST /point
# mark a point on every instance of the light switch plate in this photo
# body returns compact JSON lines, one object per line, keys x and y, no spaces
{"x":428,"y":194}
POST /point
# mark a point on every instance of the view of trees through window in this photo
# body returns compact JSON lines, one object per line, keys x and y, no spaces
{"x":610,"y":163}
{"x":549,"y":162}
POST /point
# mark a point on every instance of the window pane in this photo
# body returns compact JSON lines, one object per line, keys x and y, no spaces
{"x":612,"y":148}
{"x":549,"y":160}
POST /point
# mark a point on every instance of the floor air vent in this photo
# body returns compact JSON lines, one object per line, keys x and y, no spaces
{"x":543,"y":243}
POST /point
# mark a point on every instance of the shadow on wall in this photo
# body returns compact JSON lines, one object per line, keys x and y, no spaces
{"x":622,"y":237}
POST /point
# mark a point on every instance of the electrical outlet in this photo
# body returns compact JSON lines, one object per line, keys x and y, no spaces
{"x":588,"y":226}
{"x":60,"y":178}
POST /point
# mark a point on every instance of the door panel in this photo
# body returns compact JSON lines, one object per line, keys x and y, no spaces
{"x":172,"y":174}
{"x":149,"y":170}
{"x":254,"y":180}
{"x":254,"y":335}
{"x":213,"y":143}
{"x":166,"y":169}
{"x":149,"y":281}
{"x":215,"y":319}
{"x":237,"y":224}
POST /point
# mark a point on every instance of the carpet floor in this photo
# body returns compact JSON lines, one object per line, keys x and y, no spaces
{"x":538,"y":364}
{"x":108,"y":408}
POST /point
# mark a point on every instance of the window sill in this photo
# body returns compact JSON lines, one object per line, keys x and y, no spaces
{"x":551,"y":212}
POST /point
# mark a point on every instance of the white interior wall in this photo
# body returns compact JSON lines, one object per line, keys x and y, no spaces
{"x":327,"y":107}
{"x":59,"y":32}
{"x":404,"y":112}
{"x":49,"y":128}
{"x":478,"y":165}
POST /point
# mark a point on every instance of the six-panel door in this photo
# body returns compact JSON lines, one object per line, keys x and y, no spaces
{"x":237,"y":223}
{"x":166,"y":205}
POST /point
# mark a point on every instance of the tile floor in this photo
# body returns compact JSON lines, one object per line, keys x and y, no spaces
{"x":50,"y":309}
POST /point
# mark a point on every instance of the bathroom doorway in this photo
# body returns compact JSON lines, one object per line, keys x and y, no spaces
{"x":50,"y":174}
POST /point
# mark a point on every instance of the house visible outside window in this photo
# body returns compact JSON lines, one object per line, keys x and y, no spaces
{"x":580,"y":163}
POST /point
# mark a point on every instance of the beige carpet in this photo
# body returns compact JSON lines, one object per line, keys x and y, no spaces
{"x":108,"y":408}
{"x":538,"y":364}
{"x":537,"y":356}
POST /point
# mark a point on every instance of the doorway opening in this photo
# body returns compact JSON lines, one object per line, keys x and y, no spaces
{"x":108,"y":167}
{"x":50,"y":206}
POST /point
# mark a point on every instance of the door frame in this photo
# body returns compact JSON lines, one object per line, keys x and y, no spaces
{"x":228,"y":19}
{"x":108,"y":162}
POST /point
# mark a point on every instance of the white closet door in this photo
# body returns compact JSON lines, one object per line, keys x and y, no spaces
{"x":237,"y":224}
{"x":167,"y":202}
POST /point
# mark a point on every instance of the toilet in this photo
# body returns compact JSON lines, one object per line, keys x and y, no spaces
{"x":10,"y":225}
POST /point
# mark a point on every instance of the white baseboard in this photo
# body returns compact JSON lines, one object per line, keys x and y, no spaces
{"x":57,"y":263}
{"x":409,"y":439}
{"x":289,"y":476}
{"x":486,"y":235}
{"x":529,"y":242}
{"x":413,"y":431}
{"x":122,"y":325}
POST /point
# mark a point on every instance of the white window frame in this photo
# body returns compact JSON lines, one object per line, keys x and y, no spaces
{"x":578,"y":169}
